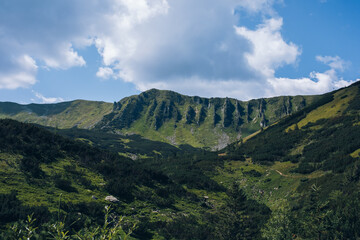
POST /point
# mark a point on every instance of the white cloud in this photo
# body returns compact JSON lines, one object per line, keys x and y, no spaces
{"x":316,"y":83}
{"x":105,"y":73}
{"x":47,"y":99}
{"x":334,"y":62}
{"x":66,"y":58}
{"x":19,"y":72}
{"x":196,"y":47}
{"x":170,"y":41}
{"x":254,"y":6}
{"x":270,"y":51}
{"x":195,"y":86}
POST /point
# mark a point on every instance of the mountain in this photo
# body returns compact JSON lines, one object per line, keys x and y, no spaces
{"x":201,"y":122}
{"x":78,"y":113}
{"x":322,"y":136}
{"x":298,"y":178}
{"x":164,"y":116}
{"x":306,"y":168}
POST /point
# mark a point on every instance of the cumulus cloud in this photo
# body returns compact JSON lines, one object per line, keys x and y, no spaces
{"x":42,"y":32}
{"x":334,"y":62}
{"x":191,"y":40}
{"x":66,"y":58}
{"x":143,"y":42}
{"x":196,"y":47}
{"x":316,"y":83}
{"x":269,"y":51}
{"x":105,"y":73}
{"x":47,"y":99}
{"x":255,"y":6}
{"x":18,"y":72}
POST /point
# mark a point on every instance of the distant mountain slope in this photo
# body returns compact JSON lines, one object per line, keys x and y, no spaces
{"x":318,"y":145}
{"x":78,"y":113}
{"x":201,"y":122}
{"x":164,"y":116}
{"x":323,"y":136}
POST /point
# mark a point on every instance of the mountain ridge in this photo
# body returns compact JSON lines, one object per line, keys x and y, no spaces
{"x":202,"y":122}
{"x":164,"y":115}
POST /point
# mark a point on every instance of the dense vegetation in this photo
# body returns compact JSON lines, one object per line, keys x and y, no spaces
{"x":298,"y":178}
{"x":321,"y":145}
{"x":156,"y":182}
{"x":325,"y":144}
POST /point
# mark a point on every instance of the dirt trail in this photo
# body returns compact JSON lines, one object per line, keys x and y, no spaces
{"x":284,"y":175}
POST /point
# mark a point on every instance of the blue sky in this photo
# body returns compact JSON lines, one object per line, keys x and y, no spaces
{"x":62,"y":50}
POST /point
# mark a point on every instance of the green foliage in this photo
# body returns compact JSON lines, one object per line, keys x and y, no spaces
{"x":240,"y":218}
{"x":114,"y":227}
{"x":131,"y":182}
{"x":305,"y":168}
{"x":11,"y":209}
{"x":280,"y":224}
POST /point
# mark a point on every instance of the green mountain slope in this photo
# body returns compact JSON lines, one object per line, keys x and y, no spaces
{"x":306,"y":169}
{"x":164,"y":116}
{"x":59,"y":179}
{"x":201,"y":122}
{"x":79,"y":113}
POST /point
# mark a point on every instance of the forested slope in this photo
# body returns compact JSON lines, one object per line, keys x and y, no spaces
{"x":306,"y":168}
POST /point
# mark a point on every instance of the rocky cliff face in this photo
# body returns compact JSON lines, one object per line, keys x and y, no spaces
{"x":203,"y":122}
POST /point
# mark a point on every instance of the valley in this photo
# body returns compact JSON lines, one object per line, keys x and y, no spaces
{"x":294,"y":172}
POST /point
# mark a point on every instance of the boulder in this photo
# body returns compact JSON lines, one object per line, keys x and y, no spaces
{"x":111,"y":199}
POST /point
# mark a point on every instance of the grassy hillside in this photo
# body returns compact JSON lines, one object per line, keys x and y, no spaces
{"x":64,"y":181}
{"x":306,"y":169}
{"x":133,"y":146}
{"x":298,"y":178}
{"x":201,"y":122}
{"x":79,"y":113}
{"x":164,"y":116}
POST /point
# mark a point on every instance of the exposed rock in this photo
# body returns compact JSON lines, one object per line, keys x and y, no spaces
{"x":133,"y":157}
{"x":172,"y":139}
{"x":223,"y":141}
{"x":111,"y":199}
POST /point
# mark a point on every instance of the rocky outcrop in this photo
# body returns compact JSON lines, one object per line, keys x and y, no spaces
{"x":111,"y":199}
